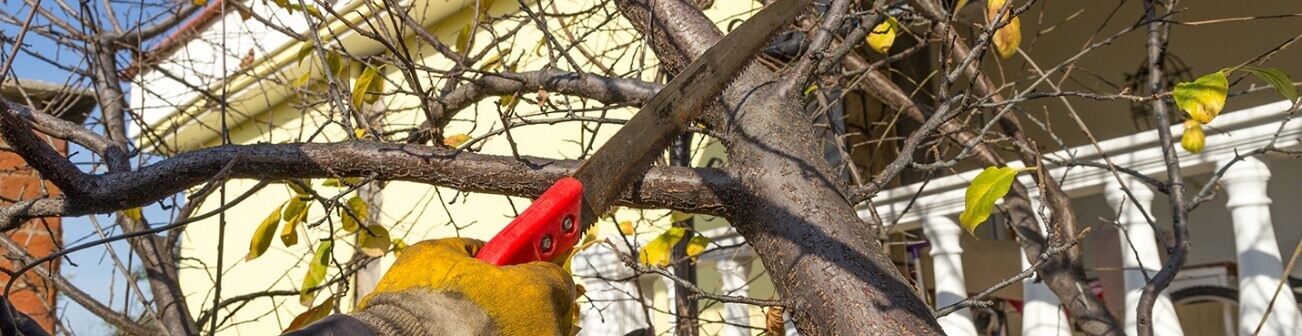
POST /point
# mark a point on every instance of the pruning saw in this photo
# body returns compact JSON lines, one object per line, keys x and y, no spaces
{"x":552,"y":225}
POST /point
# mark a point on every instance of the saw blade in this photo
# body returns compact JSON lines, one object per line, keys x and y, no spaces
{"x":645,"y":137}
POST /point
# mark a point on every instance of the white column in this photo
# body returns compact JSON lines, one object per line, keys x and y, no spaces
{"x":735,"y":275}
{"x":1260,"y":266}
{"x":1042,"y":313}
{"x":613,"y":291}
{"x":947,"y":268}
{"x":1139,"y":249}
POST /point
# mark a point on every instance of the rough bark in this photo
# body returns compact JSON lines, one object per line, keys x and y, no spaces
{"x":792,"y":209}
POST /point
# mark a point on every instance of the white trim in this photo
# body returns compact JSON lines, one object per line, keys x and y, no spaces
{"x":1241,"y":131}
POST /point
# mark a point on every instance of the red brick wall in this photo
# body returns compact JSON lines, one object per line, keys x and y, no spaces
{"x":31,"y":295}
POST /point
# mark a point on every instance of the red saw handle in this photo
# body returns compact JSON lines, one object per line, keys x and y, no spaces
{"x":545,"y":230}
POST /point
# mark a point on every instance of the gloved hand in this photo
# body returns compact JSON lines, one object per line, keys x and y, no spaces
{"x":437,"y":287}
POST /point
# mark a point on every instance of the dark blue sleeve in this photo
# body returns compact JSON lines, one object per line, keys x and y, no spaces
{"x":335,"y":325}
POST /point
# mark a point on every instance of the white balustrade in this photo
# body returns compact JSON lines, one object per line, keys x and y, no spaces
{"x":947,"y":269}
{"x":1260,"y":266}
{"x":1139,"y":253}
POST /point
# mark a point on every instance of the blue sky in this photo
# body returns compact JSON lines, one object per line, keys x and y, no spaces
{"x":93,"y":270}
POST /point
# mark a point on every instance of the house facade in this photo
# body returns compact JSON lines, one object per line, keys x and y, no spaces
{"x":1241,"y":237}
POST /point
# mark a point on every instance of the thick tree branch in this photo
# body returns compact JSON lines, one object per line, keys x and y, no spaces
{"x":691,"y":190}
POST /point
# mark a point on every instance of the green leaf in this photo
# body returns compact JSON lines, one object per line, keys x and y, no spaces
{"x":289,"y":233}
{"x":1277,"y":78}
{"x":679,"y":216}
{"x":1204,"y":98}
{"x":316,"y":272}
{"x":658,"y":251}
{"x":364,"y":84}
{"x":398,"y":246}
{"x":297,"y":189}
{"x":304,"y":50}
{"x":264,"y":234}
{"x":987,"y":188}
{"x":374,"y":241}
{"x":335,"y":63}
{"x":464,"y":38}
{"x":358,"y":208}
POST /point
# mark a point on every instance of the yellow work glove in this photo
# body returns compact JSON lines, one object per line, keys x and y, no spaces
{"x":438,"y":287}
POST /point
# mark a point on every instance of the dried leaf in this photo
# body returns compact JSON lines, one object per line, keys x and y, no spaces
{"x":456,"y":140}
{"x":352,"y":221}
{"x":374,"y":241}
{"x":264,"y":234}
{"x":774,"y":323}
{"x":1008,"y":37}
{"x":247,"y":60}
{"x":1193,"y":139}
{"x":542,"y":96}
{"x":1204,"y":98}
{"x":987,"y":188}
{"x":312,"y":315}
{"x":316,"y":272}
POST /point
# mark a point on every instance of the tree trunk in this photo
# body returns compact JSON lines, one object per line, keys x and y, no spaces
{"x":792,"y":210}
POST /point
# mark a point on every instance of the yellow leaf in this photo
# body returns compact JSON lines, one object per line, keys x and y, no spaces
{"x":304,"y":79}
{"x":200,"y":2}
{"x":697,"y":245}
{"x":304,"y":50}
{"x":297,"y":189}
{"x":678,"y":216}
{"x":264,"y":234}
{"x":374,"y":241}
{"x":464,"y":38}
{"x":133,"y":213}
{"x":398,"y":247}
{"x":494,"y":62}
{"x":456,"y":140}
{"x":987,"y":188}
{"x":1204,"y":98}
{"x":365,"y":82}
{"x":289,"y":233}
{"x":586,"y":244}
{"x":1193,"y":139}
{"x":1008,"y":37}
{"x":657,"y":252}
{"x":316,"y":272}
{"x":883,"y":35}
{"x":295,"y":206}
{"x":808,"y":90}
{"x":312,"y":315}
{"x":626,"y":228}
{"x":959,"y":6}
{"x":358,"y":208}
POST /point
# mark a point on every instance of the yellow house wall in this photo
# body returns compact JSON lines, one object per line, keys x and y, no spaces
{"x":412,"y":211}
